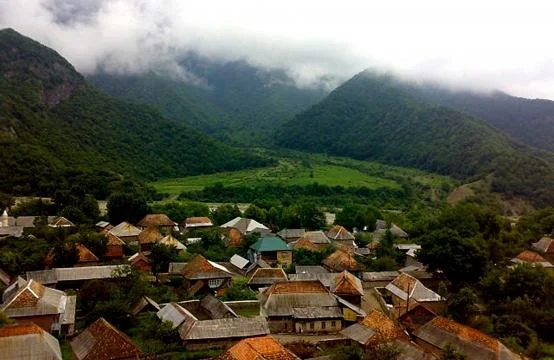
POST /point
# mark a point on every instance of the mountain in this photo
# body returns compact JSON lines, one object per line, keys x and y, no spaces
{"x":52,"y":120}
{"x":233,"y":101}
{"x":372,"y":117}
{"x":530,"y":121}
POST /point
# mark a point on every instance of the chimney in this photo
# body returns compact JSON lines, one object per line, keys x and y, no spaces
{"x":5,"y":219}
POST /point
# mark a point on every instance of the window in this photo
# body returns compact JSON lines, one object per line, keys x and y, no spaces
{"x":323,"y":325}
{"x":311,"y":326}
{"x":333,"y":324}
{"x":213,"y":283}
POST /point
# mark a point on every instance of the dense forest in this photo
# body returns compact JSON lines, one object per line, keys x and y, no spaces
{"x":234,"y":101}
{"x":52,"y":120}
{"x":370,"y":117}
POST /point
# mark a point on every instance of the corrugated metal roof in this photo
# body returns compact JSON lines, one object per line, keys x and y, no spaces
{"x":317,"y":312}
{"x":175,"y":314}
{"x":125,"y":230}
{"x":26,"y":342}
{"x":310,"y":269}
{"x":229,"y":328}
{"x":239,"y":261}
{"x":358,"y":332}
{"x":270,"y":243}
{"x":244,"y":225}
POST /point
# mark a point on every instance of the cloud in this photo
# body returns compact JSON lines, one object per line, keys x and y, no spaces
{"x":481,"y":45}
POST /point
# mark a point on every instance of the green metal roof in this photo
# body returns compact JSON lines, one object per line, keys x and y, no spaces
{"x":270,"y":243}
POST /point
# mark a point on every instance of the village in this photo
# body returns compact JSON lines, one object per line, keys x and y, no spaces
{"x":281,"y":306}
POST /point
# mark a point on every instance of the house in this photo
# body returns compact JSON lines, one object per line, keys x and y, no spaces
{"x":126,"y":232}
{"x":200,"y":273}
{"x":259,"y":348}
{"x":305,"y":244}
{"x":160,"y":221}
{"x":342,"y":237}
{"x":305,"y":307}
{"x":212,"y":333}
{"x":272,"y":249}
{"x":314,"y":272}
{"x":348,"y":287}
{"x":85,"y":256}
{"x":343,"y":259}
{"x":317,"y":238}
{"x":103,"y":226}
{"x":175,"y":268}
{"x":73,"y":278}
{"x":405,"y":291}
{"x":140,"y":262}
{"x":532,"y":258}
{"x":209,"y":308}
{"x":435,"y":335}
{"x":290,"y":235}
{"x":245,"y":226}
{"x":416,"y":317}
{"x":102,"y":341}
{"x":28,"y":341}
{"x":171,"y":241}
{"x":51,"y":309}
{"x":545,"y":245}
{"x":376,"y":328}
{"x":266,"y":277}
{"x":148,"y":237}
{"x":114,"y":246}
{"x":381,"y":229}
{"x":60,"y":222}
{"x":143,"y":305}
{"x":310,"y":269}
{"x":245,"y":267}
{"x":197,"y":222}
{"x":378,"y":278}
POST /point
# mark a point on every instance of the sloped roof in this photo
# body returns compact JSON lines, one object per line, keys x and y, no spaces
{"x":341,"y":260}
{"x":545,"y":245}
{"x":258,"y":348}
{"x":60,"y":221}
{"x":326,"y":278}
{"x":198,"y":221}
{"x":72,"y":274}
{"x":244,"y":225}
{"x":226,"y":328}
{"x":155,"y":220}
{"x":239,"y":261}
{"x":282,"y":298}
{"x":102,"y":341}
{"x":149,"y":235}
{"x":234,"y":237}
{"x":270,"y":243}
{"x":125,"y":230}
{"x":176,"y":314}
{"x":143,"y":303}
{"x":176,"y":268}
{"x":169,"y":240}
{"x":310,"y":269}
{"x":305,"y":244}
{"x":35,"y":299}
{"x":291,"y":233}
{"x":137,"y":258}
{"x":217,"y":308}
{"x":199,"y":268}
{"x":113,"y":240}
{"x":5,"y":278}
{"x":27,"y":341}
{"x":380,"y":275}
{"x":339,"y":233}
{"x":317,"y":237}
{"x":468,"y":341}
{"x":405,"y":285}
{"x":347,"y":284}
{"x":533,"y":258}
{"x":385,"y":329}
{"x":85,"y":255}
{"x":267,"y":276}
{"x":416,"y":317}
{"x":103,"y":224}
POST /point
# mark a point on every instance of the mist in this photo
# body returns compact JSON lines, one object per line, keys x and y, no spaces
{"x":473,"y":45}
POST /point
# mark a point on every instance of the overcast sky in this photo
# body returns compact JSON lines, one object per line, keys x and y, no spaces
{"x":482,"y":44}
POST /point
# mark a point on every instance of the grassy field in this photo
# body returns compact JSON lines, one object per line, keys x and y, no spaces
{"x":295,"y":169}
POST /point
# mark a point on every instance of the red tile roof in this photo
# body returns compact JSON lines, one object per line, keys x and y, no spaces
{"x":466,"y":332}
{"x":338,"y":232}
{"x":342,"y":259}
{"x":306,"y":244}
{"x":102,"y":341}
{"x":149,"y":236}
{"x":199,"y":264}
{"x":20,"y":329}
{"x":292,"y":287}
{"x":348,"y":284}
{"x":385,"y":328}
{"x":531,"y":257}
{"x":85,"y":255}
{"x":156,"y":220}
{"x":198,"y":220}
{"x":258,"y":348}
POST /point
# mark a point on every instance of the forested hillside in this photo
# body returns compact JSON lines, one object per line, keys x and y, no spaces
{"x":233,"y":101}
{"x":530,"y":121}
{"x":371,"y":117}
{"x":51,"y":120}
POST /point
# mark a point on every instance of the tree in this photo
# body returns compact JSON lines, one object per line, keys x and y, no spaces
{"x":239,"y":290}
{"x":450,"y":353}
{"x":161,"y":255}
{"x":225,"y":213}
{"x":126,"y":207}
{"x":357,"y":216}
{"x":462,"y":304}
{"x":461,"y":259}
{"x":256,"y":213}
{"x":384,"y":352}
